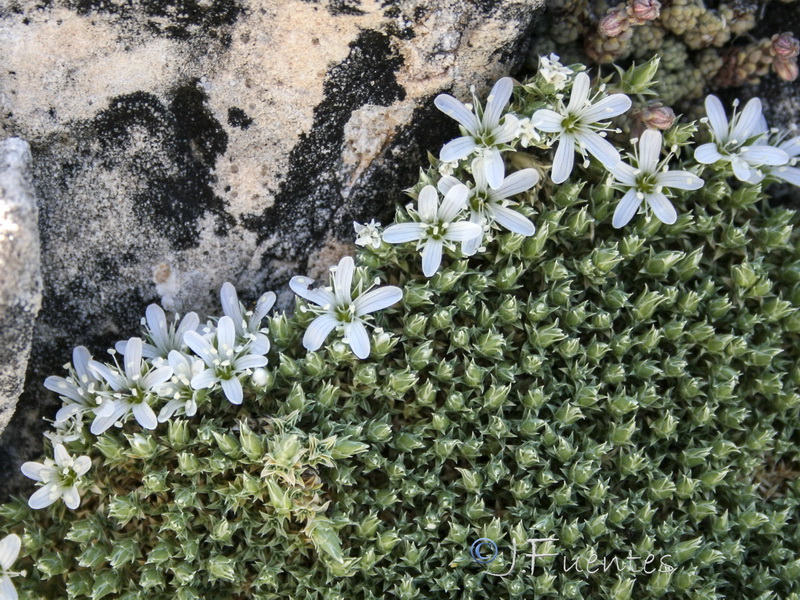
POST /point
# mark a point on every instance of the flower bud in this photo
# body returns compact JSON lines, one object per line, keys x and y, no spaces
{"x":786,"y":69}
{"x":784,"y":46}
{"x":658,"y":116}
{"x":260,"y":377}
{"x":641,"y":11}
{"x":614,"y":23}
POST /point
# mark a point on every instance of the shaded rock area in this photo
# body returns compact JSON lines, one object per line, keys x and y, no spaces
{"x":180,"y":144}
{"x":20,"y":278}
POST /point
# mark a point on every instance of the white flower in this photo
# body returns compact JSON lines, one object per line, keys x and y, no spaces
{"x":447,"y":168}
{"x":438,"y":225}
{"x":60,"y":478}
{"x":788,"y":172}
{"x":648,"y":180}
{"x":224,"y":359}
{"x":528,"y":134}
{"x":163,"y":338}
{"x":368,"y":234}
{"x":554,"y":72}
{"x":338,"y":310}
{"x":738,"y":142}
{"x":483,"y":130}
{"x":248,"y":329}
{"x":81,"y":390}
{"x":134,"y":388}
{"x":9,"y":552}
{"x":179,"y":388}
{"x":68,"y":430}
{"x":488,"y":207}
{"x":579,"y":126}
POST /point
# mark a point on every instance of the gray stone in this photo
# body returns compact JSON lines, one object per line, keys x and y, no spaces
{"x":181,"y":144}
{"x":20,"y":277}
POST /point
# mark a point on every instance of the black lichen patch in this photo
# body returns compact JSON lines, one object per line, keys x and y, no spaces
{"x":345,"y":7}
{"x":238,"y":118}
{"x":307,"y":201}
{"x":177,"y":19}
{"x":171,"y":150}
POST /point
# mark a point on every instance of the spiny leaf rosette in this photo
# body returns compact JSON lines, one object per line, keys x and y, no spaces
{"x":626,"y":392}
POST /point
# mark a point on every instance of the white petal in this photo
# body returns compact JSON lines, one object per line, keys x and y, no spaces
{"x":169,"y":409}
{"x":230,"y":304}
{"x":43,"y":497}
{"x":62,"y":387}
{"x":580,"y":93}
{"x":607,"y":108}
{"x":156,"y":377}
{"x":9,"y":551}
{"x":72,"y":498}
{"x":707,"y":154}
{"x":431,"y":257}
{"x":716,"y":119}
{"x":453,"y":203}
{"x":493,"y":168}
{"x":179,"y":362}
{"x":662,"y":207}
{"x":377,"y":299}
{"x":109,"y":374}
{"x":470,"y":246}
{"x":7,"y":591}
{"x":600,"y":148}
{"x":507,"y":131}
{"x":512,"y":220}
{"x":764,"y":155}
{"x":189,"y":322}
{"x":300,"y":286}
{"x":741,"y":168}
{"x":496,"y":103}
{"x":61,"y":456}
{"x":787,"y":174}
{"x":403,"y":232}
{"x":649,"y":150}
{"x":682,"y":180}
{"x":624,"y":173}
{"x":790,"y":146}
{"x":318,"y":332}
{"x":233,"y":390}
{"x":463,"y":231}
{"x":516,"y":183}
{"x":66,"y":412}
{"x":547,"y":120}
{"x":105,"y":408}
{"x":455,"y":109}
{"x":457,"y":149}
{"x":563,"y":159}
{"x":80,"y":361}
{"x":144,"y":415}
{"x":263,"y":306}
{"x":204,"y":379}
{"x":359,"y":340}
{"x":428,"y":202}
{"x":260,"y":345}
{"x":33,"y":470}
{"x":200,"y":346}
{"x":626,"y":208}
{"x":157,"y":323}
{"x":82,"y":465}
{"x":479,"y":175}
{"x":747,"y":121}
{"x":250,"y":361}
{"x":445,"y":183}
{"x":133,"y":358}
{"x":343,"y":280}
{"x":226,"y":333}
{"x":104,"y":422}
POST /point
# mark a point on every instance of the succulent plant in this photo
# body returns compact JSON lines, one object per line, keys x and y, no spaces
{"x":628,"y":394}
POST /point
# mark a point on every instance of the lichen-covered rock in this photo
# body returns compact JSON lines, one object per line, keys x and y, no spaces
{"x":20,"y":279}
{"x":180,"y":144}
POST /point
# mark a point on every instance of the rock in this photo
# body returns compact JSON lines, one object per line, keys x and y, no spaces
{"x":20,"y":277}
{"x":180,"y":144}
